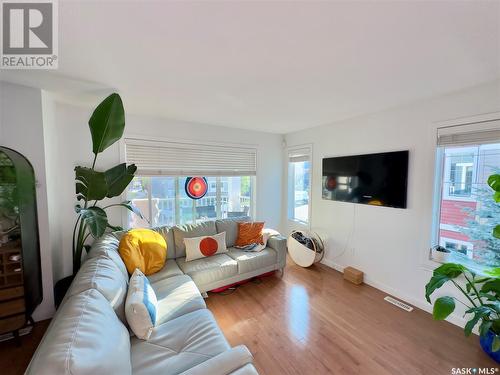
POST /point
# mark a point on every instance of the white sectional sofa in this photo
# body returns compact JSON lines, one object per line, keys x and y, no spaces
{"x":89,"y":334}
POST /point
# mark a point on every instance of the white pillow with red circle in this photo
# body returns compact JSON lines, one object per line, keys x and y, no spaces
{"x":205,"y":246}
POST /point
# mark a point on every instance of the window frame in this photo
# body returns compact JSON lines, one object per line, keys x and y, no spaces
{"x":290,"y":199}
{"x":428,"y":263}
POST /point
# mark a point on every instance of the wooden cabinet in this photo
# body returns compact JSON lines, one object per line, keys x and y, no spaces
{"x":12,"y":306}
{"x":20,"y":270}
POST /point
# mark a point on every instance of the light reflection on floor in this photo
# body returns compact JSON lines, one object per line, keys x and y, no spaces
{"x":298,"y":320}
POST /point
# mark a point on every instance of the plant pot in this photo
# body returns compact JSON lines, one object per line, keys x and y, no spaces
{"x":486,"y":341}
{"x":440,"y":256}
{"x":61,"y":288}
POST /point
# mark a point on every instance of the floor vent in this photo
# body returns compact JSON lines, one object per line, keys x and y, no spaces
{"x":399,"y":304}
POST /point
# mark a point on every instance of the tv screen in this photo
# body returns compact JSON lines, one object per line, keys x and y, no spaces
{"x":376,"y":179}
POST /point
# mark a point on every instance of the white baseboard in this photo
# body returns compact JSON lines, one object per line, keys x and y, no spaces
{"x":421,"y":304}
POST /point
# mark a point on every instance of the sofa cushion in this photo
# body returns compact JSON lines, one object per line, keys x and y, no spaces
{"x":178,"y":345}
{"x":230,"y":226}
{"x":227,"y":362}
{"x":170,"y":269}
{"x":249,"y":261}
{"x":168,"y":235}
{"x":209,"y":270}
{"x":176,"y":296}
{"x":107,"y":246}
{"x":206,"y":228}
{"x":86,"y":338}
{"x":103,"y":274}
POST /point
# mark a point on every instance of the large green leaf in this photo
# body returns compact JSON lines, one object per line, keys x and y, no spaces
{"x":491,"y":286}
{"x":450,"y":270}
{"x":118,"y":178}
{"x":496,"y":196}
{"x":129,"y":206}
{"x":95,"y":219}
{"x":485,"y":327}
{"x":443,"y":307}
{"x":496,"y":231}
{"x":495,"y":272}
{"x":494,"y":182}
{"x":469,"y":326}
{"x":485,"y":296}
{"x":479,"y":312}
{"x":495,"y":345}
{"x":107,"y":123}
{"x":90,"y":184}
{"x":434,"y":283}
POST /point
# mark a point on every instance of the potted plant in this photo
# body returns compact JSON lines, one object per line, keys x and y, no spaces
{"x":482,"y":294}
{"x":440,"y":254}
{"x":482,"y":302}
{"x":106,"y":124}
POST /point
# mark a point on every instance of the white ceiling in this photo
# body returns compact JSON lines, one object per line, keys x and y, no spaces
{"x":271,"y":66}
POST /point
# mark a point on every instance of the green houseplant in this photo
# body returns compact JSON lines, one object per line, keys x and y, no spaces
{"x":106,"y":124}
{"x":494,"y":183}
{"x":482,"y":294}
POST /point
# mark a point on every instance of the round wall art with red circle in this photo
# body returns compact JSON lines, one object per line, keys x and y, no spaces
{"x":196,"y":187}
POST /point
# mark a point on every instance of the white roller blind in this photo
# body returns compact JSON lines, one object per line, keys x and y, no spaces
{"x":190,"y":159}
{"x":299,"y":154}
{"x":470,"y":134}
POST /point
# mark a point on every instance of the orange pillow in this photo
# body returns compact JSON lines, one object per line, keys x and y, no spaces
{"x":249,"y":233}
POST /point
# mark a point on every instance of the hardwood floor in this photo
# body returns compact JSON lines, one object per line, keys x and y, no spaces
{"x":314,"y":322}
{"x":13,"y":358}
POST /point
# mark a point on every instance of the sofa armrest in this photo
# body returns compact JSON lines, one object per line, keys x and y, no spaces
{"x":224,"y":363}
{"x":278,"y":243}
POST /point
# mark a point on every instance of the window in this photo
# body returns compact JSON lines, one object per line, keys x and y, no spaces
{"x":462,"y":247}
{"x":159,"y":186}
{"x":299,"y":184}
{"x":163,"y":200}
{"x":465,"y":210}
{"x":459,"y":171}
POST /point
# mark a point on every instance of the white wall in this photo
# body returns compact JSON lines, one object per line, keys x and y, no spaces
{"x":389,"y":245}
{"x":68,"y":144}
{"x":22,"y":130}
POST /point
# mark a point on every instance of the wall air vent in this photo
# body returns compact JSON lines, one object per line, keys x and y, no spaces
{"x":399,"y":304}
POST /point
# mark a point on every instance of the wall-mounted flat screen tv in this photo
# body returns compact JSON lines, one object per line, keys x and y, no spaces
{"x":376,"y":179}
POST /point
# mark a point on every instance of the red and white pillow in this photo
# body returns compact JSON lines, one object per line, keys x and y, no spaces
{"x":205,"y":246}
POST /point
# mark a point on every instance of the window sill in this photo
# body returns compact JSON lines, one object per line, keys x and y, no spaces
{"x":455,"y":257}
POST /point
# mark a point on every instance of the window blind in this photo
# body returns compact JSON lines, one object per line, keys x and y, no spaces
{"x":469,"y":134}
{"x":299,"y":154}
{"x":190,"y":159}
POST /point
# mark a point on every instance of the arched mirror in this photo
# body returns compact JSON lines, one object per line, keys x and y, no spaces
{"x":20,"y":271}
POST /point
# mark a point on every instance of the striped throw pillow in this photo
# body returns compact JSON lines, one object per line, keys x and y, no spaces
{"x":141,"y":305}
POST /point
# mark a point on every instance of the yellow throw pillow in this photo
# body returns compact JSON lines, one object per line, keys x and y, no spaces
{"x":144,"y":249}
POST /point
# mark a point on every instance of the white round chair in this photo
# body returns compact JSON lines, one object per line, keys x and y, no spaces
{"x":301,"y":254}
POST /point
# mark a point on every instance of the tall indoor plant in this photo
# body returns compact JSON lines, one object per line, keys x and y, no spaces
{"x":481,"y":292}
{"x":106,"y":124}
